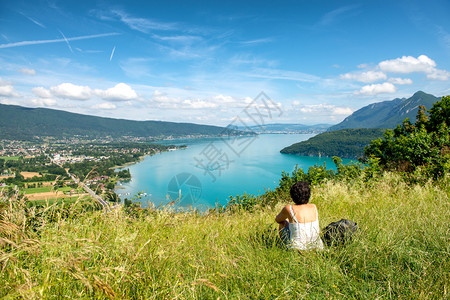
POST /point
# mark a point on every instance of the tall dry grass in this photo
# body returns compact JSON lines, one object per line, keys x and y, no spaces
{"x":402,"y":250}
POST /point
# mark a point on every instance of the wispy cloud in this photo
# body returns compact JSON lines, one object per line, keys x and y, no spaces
{"x":335,"y":15}
{"x":188,"y":39}
{"x":33,"y":20}
{"x":283,"y":74}
{"x":37,"y":42}
{"x":140,"y":24}
{"x":256,"y":42}
{"x":27,"y":71}
{"x":67,"y":42}
{"x":112,"y":53}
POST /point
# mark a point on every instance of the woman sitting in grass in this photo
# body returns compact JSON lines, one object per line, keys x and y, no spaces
{"x":299,"y":223}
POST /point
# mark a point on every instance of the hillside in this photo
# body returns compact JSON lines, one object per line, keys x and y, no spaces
{"x":24,"y":123}
{"x":345,"y":143}
{"x":387,"y":114}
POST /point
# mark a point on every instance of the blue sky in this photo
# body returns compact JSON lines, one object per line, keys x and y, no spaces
{"x":204,"y":61}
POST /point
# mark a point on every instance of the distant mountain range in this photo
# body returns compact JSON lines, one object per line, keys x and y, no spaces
{"x":348,"y":138}
{"x":287,"y":128}
{"x":387,"y":114}
{"x":23,"y":123}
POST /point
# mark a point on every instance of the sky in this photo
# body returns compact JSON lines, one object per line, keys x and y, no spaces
{"x":205,"y":61}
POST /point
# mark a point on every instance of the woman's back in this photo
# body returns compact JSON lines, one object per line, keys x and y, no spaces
{"x":304,"y":213}
{"x":299,"y":223}
{"x":304,"y":227}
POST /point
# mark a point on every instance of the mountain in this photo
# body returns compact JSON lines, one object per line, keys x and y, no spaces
{"x":287,"y":128}
{"x":345,"y":143}
{"x":17,"y":122}
{"x":387,"y":114}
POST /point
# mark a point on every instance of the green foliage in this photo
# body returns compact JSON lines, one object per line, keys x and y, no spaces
{"x":423,"y":146}
{"x":112,"y":197}
{"x":244,"y":202}
{"x":124,"y":174}
{"x":345,"y":143}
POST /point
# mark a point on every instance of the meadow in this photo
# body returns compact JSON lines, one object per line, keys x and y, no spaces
{"x":401,"y":251}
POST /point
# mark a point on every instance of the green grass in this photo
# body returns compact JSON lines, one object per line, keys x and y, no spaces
{"x":66,"y":189}
{"x":6,"y":158}
{"x":51,"y":201}
{"x":402,"y":250}
{"x":42,"y":189}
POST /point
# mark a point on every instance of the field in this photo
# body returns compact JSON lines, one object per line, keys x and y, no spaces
{"x":27,"y":175}
{"x":6,"y":158}
{"x":51,"y":201}
{"x":43,"y":189}
{"x":402,"y":250}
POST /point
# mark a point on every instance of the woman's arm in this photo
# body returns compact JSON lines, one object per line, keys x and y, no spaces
{"x":282,"y":216}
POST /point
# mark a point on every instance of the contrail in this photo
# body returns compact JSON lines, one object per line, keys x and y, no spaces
{"x":112,"y":53}
{"x":67,"y":42}
{"x":84,"y":37}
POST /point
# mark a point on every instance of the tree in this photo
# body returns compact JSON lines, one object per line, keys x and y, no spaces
{"x":425,"y":144}
{"x":112,"y":197}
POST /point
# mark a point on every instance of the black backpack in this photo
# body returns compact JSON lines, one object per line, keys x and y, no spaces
{"x":339,"y":233}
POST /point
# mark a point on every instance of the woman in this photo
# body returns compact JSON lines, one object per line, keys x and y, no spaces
{"x":299,"y":223}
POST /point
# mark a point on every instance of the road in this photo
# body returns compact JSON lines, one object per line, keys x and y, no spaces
{"x":103,"y":202}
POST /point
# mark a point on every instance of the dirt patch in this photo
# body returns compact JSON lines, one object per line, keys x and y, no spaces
{"x":51,"y":195}
{"x":30,"y":174}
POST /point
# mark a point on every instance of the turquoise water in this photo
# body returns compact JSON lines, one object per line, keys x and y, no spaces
{"x":209,"y":170}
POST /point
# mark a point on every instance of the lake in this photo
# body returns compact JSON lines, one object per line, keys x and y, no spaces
{"x":209,"y":170}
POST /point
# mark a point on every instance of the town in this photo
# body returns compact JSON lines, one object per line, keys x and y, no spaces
{"x":66,"y":171}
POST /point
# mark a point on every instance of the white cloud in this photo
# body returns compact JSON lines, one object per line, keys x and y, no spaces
{"x":27,"y":71}
{"x":400,"y":81}
{"x":224,"y":99}
{"x":7,"y":90}
{"x":439,"y":75}
{"x":199,"y":104}
{"x":44,"y":102}
{"x":8,"y":101}
{"x":41,"y":92}
{"x":71,"y":91}
{"x":104,"y":105}
{"x":374,"y":89}
{"x":120,"y":92}
{"x":408,"y":64}
{"x":322,"y":109}
{"x":366,"y":77}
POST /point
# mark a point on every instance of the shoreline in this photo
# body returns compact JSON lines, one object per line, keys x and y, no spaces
{"x":141,"y":158}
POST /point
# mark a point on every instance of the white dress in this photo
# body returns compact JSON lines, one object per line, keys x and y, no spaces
{"x":304,"y":236}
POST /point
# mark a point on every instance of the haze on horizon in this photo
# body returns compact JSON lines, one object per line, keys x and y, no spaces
{"x":203,"y":62}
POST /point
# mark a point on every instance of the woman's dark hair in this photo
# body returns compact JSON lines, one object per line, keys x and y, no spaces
{"x":300,"y":192}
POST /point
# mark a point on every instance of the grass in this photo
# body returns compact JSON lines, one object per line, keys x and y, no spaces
{"x":45,"y":189}
{"x":66,"y":189}
{"x":402,"y":250}
{"x":61,"y":200}
{"x":6,"y":158}
{"x":42,"y":189}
